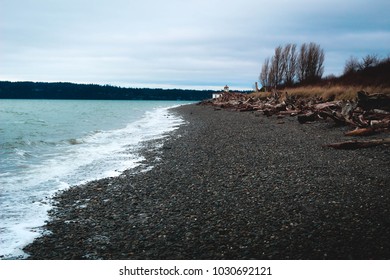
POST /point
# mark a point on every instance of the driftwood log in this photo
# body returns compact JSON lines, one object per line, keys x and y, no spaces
{"x":353,"y":145}
{"x":367,"y":131}
{"x":368,"y":114}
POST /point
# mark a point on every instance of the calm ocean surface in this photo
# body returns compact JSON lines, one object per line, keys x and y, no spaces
{"x":49,"y":145}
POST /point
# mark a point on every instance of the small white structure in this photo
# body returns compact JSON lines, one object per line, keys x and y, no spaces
{"x":217,"y":95}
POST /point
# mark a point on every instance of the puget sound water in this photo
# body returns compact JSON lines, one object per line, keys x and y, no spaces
{"x":50,"y":145}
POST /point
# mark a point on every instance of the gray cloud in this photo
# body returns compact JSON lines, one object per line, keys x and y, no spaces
{"x":192,"y":44}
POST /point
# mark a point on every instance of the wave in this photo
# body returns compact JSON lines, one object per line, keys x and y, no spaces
{"x":49,"y":166}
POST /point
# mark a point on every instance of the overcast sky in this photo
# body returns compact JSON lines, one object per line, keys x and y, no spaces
{"x":179,"y":43}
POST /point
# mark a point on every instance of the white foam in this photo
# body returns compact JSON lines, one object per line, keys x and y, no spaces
{"x":98,"y":155}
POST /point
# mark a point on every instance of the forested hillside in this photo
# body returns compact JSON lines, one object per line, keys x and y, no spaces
{"x":40,"y":90}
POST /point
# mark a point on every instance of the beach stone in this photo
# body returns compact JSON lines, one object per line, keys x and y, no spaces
{"x":231,"y":185}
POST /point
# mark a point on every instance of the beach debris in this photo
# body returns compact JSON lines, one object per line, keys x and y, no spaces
{"x":368,"y":114}
{"x":366,"y":131}
{"x":367,"y":111}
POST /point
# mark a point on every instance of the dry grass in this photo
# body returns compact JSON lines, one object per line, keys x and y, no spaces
{"x":336,"y":92}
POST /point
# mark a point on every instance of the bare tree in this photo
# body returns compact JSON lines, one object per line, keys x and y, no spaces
{"x":369,"y":60}
{"x":276,"y":68}
{"x":310,"y":63}
{"x":287,"y":65}
{"x":290,"y":63}
{"x":272,"y":73}
{"x":302,"y":63}
{"x":351,"y":65}
{"x":264,"y":75}
{"x":279,"y":65}
{"x":319,"y":62}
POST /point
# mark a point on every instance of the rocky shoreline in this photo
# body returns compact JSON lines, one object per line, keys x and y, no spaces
{"x":231,"y":185}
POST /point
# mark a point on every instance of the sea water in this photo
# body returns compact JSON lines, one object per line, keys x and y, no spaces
{"x":50,"y":145}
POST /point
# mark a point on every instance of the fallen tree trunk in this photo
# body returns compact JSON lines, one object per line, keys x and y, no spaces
{"x":353,"y":145}
{"x":361,"y":132}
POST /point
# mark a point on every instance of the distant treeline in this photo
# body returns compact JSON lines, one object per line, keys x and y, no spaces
{"x":60,"y":90}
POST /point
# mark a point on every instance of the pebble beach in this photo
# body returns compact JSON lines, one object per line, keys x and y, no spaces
{"x":231,"y":185}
